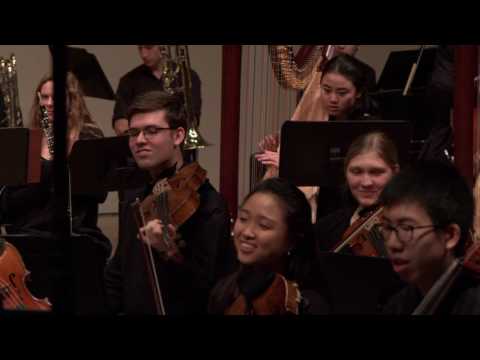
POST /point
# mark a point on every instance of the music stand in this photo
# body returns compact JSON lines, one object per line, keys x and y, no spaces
{"x":89,"y":73}
{"x":357,"y":284}
{"x":313,"y":153}
{"x":397,"y":69}
{"x":20,"y":156}
{"x":98,"y":166}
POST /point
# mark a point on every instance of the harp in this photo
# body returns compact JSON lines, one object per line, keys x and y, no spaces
{"x":273,"y":77}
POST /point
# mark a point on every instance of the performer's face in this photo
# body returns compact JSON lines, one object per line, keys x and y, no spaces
{"x":46,"y":98}
{"x":151,"y":55}
{"x":367,"y":174}
{"x":338,"y":94}
{"x":419,"y":256}
{"x":260,"y":231}
{"x":155,"y":148}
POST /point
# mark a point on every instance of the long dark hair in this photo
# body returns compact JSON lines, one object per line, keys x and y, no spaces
{"x":78,"y":114}
{"x":300,"y":234}
{"x":360,"y":75}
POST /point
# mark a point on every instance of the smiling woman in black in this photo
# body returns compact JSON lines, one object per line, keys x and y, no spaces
{"x":370,"y":163}
{"x":276,"y":250}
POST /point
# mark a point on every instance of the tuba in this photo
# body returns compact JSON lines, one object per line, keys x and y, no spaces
{"x":9,"y":91}
{"x":179,"y":68}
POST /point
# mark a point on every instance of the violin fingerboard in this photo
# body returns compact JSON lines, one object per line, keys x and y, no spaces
{"x":161,"y":208}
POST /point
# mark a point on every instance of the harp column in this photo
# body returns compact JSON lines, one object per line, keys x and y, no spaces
{"x":253,"y":105}
{"x":230,"y":123}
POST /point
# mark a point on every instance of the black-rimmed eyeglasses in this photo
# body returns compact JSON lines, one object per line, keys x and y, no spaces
{"x":148,"y":131}
{"x":404,"y":232}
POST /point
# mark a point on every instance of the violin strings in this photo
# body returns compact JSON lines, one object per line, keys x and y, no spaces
{"x":357,"y":231}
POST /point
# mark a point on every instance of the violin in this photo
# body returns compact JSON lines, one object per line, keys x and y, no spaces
{"x":176,"y":199}
{"x":173,"y":201}
{"x":360,"y":236}
{"x":282,"y":297}
{"x":14,"y":294}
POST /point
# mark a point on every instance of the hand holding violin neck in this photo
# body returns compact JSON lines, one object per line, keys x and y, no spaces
{"x":157,"y":235}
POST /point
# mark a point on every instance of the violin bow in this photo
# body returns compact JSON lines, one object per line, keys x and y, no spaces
{"x":151,"y":268}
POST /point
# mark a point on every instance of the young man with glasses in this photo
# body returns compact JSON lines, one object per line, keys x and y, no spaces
{"x":149,"y":76}
{"x":185,"y":274}
{"x":427,"y":219}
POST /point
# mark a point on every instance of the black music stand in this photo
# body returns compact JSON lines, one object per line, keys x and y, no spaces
{"x":356,"y":284}
{"x":391,"y":85}
{"x":397,"y":69}
{"x":89,"y":73}
{"x":98,"y":166}
{"x":20,"y":156}
{"x":312,"y":153}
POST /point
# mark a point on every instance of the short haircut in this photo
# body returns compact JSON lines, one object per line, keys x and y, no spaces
{"x":158,"y":100}
{"x":440,"y":190}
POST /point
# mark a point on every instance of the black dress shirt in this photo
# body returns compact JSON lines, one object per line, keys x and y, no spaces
{"x":208,"y":255}
{"x":141,"y":80}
